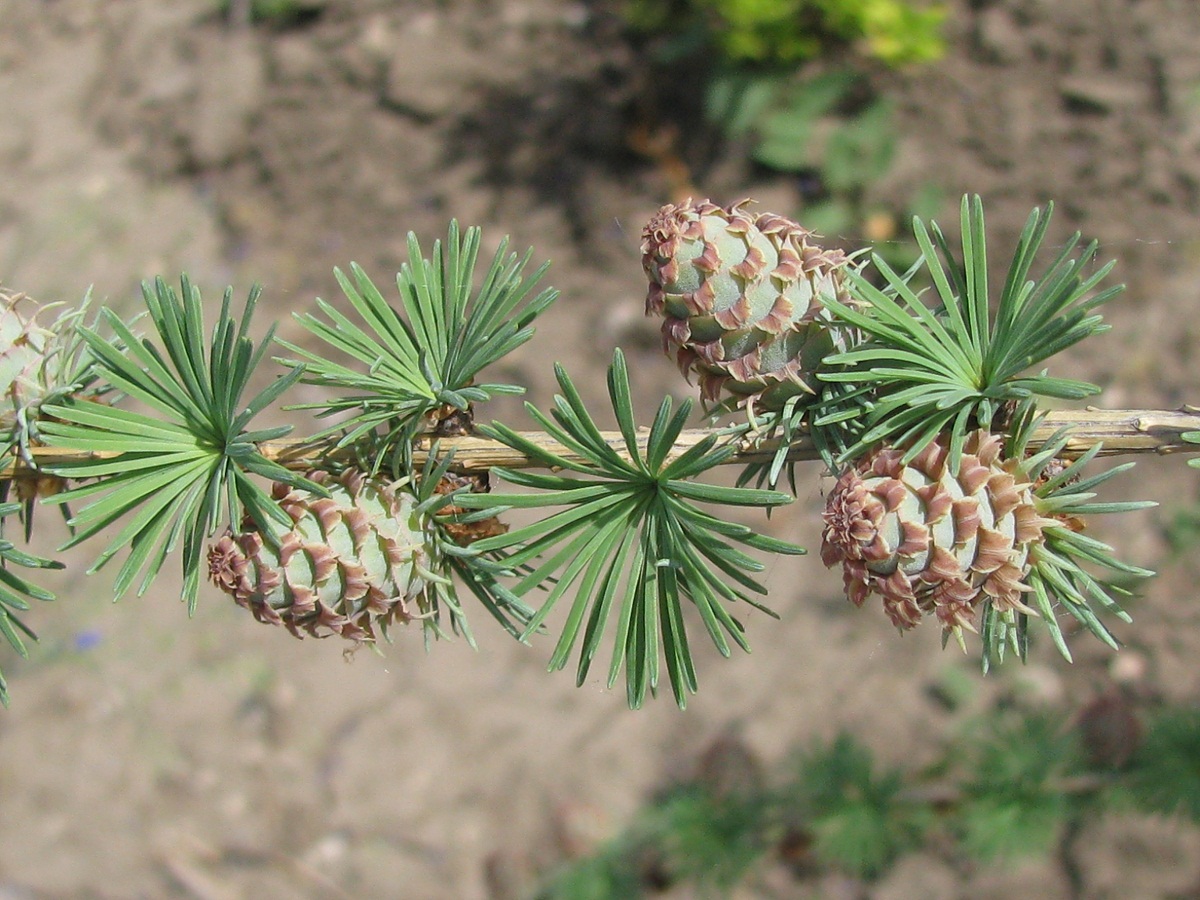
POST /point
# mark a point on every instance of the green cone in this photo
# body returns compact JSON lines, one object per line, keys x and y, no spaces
{"x":740,"y":295}
{"x":353,"y":563}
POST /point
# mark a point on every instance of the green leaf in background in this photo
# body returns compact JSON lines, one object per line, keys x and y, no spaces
{"x":1012,"y":785}
{"x":1164,"y":776}
{"x":784,"y":33}
{"x":893,"y":31}
{"x":860,"y":151}
{"x":629,"y":538}
{"x":858,"y":818}
{"x":787,"y":134}
{"x":187,"y":466}
{"x":737,"y":101}
{"x":1013,"y":801}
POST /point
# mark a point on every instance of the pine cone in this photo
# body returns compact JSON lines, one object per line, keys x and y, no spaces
{"x":741,"y":297}
{"x":930,"y":542}
{"x":352,"y":564}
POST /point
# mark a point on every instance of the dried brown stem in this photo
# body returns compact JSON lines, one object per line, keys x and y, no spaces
{"x":1121,"y":431}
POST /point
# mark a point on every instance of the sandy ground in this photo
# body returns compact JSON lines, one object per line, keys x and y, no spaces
{"x":146,"y":755}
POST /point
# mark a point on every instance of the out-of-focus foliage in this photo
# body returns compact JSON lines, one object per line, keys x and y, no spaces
{"x":1164,"y":775}
{"x":1013,"y":801}
{"x":858,"y":818}
{"x":832,"y":132}
{"x":276,"y":14}
{"x":785,"y":32}
{"x":892,"y":31}
{"x":1021,"y":785}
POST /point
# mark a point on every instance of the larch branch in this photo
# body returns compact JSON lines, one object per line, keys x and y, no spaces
{"x":1121,"y":431}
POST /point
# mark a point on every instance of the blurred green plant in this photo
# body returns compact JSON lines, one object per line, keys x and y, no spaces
{"x":690,"y":834}
{"x":273,"y":13}
{"x":1013,"y":803}
{"x":858,"y":819}
{"x":892,"y":31}
{"x":1021,"y":787}
{"x":836,"y":136}
{"x":1181,"y":530}
{"x":785,"y":32}
{"x":1164,"y":774}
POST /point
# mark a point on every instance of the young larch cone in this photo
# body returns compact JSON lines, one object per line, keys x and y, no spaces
{"x":930,"y":542}
{"x":740,"y":295}
{"x":352,"y":563}
{"x":24,"y":347}
{"x":38,"y":364}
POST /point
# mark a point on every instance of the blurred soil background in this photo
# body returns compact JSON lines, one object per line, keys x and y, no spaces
{"x":147,"y":756}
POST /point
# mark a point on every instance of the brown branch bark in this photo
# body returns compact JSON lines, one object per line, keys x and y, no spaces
{"x":1121,"y":431}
